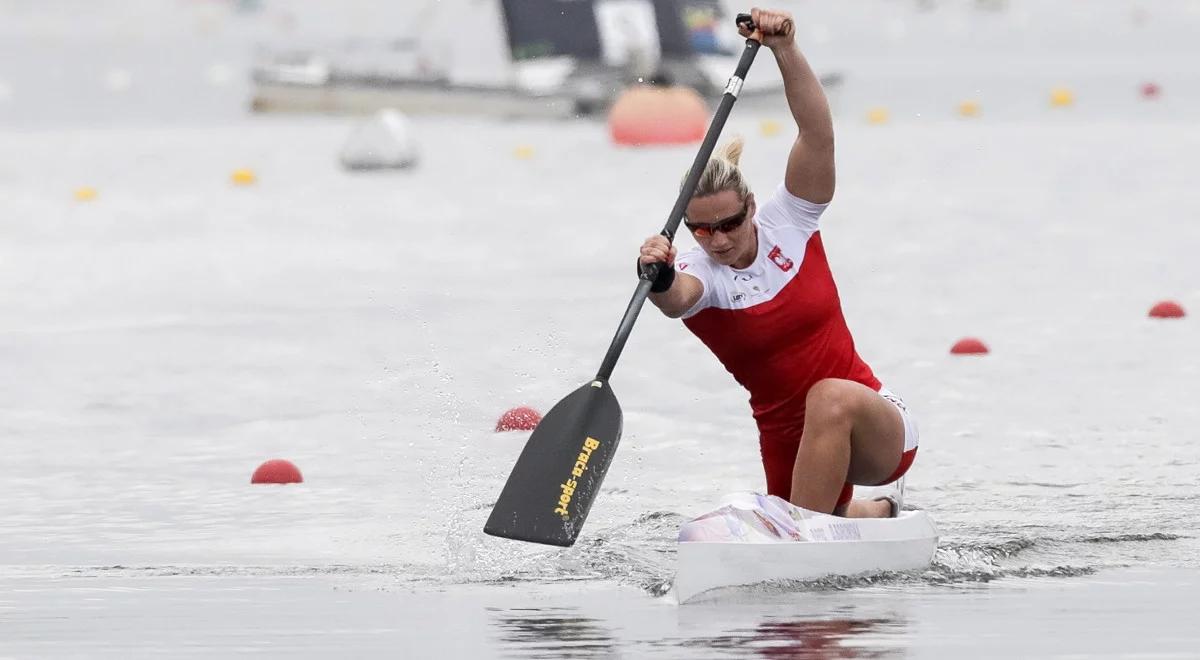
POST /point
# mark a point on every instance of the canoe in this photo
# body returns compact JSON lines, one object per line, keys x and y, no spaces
{"x":753,"y":538}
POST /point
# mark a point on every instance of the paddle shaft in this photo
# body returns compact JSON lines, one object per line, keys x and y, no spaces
{"x":557,"y":476}
{"x":650,"y":271}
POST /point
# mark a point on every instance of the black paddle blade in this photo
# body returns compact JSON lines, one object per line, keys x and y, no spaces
{"x":552,"y":486}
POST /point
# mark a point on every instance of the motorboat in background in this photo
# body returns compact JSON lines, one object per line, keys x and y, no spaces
{"x":523,"y":58}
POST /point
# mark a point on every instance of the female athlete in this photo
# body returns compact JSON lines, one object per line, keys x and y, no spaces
{"x":758,"y":292}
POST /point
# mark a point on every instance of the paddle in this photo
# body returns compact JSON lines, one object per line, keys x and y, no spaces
{"x":551,"y":488}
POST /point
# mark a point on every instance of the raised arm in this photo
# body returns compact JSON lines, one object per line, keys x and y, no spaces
{"x":810,"y":170}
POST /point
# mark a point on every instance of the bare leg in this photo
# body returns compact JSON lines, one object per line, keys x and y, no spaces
{"x":851,"y":434}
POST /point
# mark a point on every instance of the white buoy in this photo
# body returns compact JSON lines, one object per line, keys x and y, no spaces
{"x":382,"y":142}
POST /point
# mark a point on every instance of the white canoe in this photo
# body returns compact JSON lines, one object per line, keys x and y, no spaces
{"x":755,"y":538}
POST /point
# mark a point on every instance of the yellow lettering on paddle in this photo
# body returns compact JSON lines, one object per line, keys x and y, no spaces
{"x":568,"y":487}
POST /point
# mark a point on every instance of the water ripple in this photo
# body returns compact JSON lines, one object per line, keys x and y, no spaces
{"x":1132,"y":538}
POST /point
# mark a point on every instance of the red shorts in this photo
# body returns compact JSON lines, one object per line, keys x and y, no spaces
{"x":779,"y":460}
{"x":779,"y":452}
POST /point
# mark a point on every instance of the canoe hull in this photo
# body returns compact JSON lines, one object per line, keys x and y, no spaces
{"x":756,"y":538}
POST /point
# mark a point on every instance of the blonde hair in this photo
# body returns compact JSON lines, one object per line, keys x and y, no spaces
{"x":722,"y":171}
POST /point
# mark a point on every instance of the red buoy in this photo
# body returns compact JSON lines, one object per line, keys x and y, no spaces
{"x":277,"y":471}
{"x":645,"y":115}
{"x":522,"y":418}
{"x":1167,"y":309}
{"x":1151,"y":91}
{"x":969,"y":346}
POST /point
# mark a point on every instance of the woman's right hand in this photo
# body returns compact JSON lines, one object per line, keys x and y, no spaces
{"x":657,"y":249}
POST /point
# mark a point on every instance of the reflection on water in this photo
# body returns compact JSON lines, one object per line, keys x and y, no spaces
{"x":552,"y":633}
{"x":810,"y":638}
{"x":563,"y":633}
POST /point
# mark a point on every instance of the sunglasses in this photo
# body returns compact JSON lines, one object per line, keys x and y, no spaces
{"x":724,"y":226}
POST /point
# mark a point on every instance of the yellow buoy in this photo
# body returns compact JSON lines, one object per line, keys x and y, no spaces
{"x":243,"y":177}
{"x":1061,"y":97}
{"x":769,"y":127}
{"x":523,"y":152}
{"x":969,"y":109}
{"x":85,"y":194}
{"x":877,"y":116}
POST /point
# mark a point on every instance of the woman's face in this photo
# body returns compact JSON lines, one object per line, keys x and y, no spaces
{"x":723,"y":224}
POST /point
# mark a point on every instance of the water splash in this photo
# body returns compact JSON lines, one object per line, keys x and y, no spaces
{"x":642,"y":553}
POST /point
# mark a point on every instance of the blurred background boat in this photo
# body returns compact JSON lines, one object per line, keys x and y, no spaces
{"x":555,"y":58}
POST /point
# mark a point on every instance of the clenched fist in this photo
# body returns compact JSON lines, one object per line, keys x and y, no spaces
{"x":774,"y":28}
{"x":657,"y":249}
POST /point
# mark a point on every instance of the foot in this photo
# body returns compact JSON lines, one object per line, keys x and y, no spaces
{"x":893,"y":509}
{"x":877,"y":508}
{"x":895,"y":499}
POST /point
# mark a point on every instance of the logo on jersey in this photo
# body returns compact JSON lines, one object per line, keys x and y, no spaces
{"x":683,"y":266}
{"x":776,"y":256}
{"x":737,"y":297}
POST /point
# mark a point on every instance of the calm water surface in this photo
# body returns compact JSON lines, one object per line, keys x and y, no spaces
{"x":161,"y":341}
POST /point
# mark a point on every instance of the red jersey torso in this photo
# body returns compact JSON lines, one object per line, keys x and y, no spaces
{"x":777,"y":326}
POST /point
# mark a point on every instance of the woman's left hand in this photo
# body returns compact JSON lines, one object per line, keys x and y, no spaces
{"x":775,"y":28}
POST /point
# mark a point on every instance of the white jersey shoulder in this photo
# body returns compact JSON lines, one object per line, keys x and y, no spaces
{"x":785,"y":223}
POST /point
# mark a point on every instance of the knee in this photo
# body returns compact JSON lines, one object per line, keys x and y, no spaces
{"x":831,"y":402}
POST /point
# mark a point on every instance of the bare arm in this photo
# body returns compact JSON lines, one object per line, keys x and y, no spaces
{"x":810,"y":169}
{"x":685,"y":291}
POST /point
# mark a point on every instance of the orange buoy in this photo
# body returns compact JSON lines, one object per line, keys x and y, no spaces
{"x":1151,"y":91}
{"x":1167,"y":309}
{"x":645,"y":115}
{"x":277,"y":471}
{"x":969,"y":346}
{"x":521,"y":418}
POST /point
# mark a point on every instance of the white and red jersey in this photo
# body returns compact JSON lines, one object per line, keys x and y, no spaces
{"x":777,"y":326}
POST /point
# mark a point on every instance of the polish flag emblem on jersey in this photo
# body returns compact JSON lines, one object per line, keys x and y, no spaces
{"x":787,"y":232}
{"x":777,"y":258}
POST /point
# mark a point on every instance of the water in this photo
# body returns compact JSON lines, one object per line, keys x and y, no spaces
{"x":163,"y":340}
{"x":320,"y":615}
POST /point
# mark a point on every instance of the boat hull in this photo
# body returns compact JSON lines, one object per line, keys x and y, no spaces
{"x":757,"y":538}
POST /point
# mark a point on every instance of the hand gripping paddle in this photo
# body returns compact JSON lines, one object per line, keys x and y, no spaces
{"x":551,"y":488}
